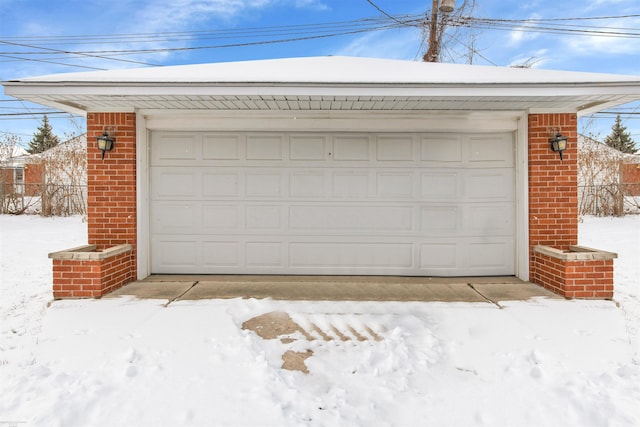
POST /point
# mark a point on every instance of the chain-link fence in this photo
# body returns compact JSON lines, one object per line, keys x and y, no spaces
{"x":608,"y":199}
{"x":43,"y":199}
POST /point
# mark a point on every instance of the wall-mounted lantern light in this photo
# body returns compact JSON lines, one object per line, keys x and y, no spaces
{"x":558,"y":143}
{"x":105,"y":142}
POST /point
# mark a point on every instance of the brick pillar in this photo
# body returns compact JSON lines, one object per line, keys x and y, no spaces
{"x":112,"y":182}
{"x":556,"y":263}
{"x":553,"y":184}
{"x":111,"y":212}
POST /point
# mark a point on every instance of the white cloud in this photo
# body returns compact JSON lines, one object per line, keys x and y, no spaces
{"x":521,"y":35}
{"x":609,"y":4}
{"x":597,"y":44}
{"x":311,"y":4}
{"x":399,"y":45}
{"x":159,"y":15}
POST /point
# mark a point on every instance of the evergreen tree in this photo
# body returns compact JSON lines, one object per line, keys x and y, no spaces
{"x":43,"y":139}
{"x":620,"y":139}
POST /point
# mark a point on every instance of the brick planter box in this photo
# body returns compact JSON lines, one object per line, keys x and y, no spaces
{"x":580,"y":272}
{"x":84,"y":272}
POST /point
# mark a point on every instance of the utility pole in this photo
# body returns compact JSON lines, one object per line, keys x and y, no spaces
{"x":445,"y":6}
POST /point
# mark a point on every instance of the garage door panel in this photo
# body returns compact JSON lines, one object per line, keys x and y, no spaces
{"x":437,"y":186}
{"x":220,"y":184}
{"x":170,"y":147}
{"x":304,"y":147}
{"x":496,"y":185}
{"x":265,"y":147}
{"x":439,"y":220}
{"x":264,"y":254}
{"x":267,"y":218}
{"x":490,"y":219}
{"x":174,"y":255}
{"x":176,"y":218}
{"x":172,"y":183}
{"x":351,"y":255}
{"x":491,"y":150}
{"x":355,"y":219}
{"x":322,"y":203}
{"x":216,"y":217}
{"x":467,"y":256}
{"x":490,"y":256}
{"x":395,"y":184}
{"x":351,"y":184}
{"x":308,"y":184}
{"x":264,"y":184}
{"x":222,"y":147}
{"x":395,"y":148}
{"x":351,"y":148}
{"x":221,"y":254}
{"x":441,"y":149}
{"x":439,"y":256}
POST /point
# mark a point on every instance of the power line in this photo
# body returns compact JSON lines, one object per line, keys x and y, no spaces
{"x":220,"y":46}
{"x":525,"y":27}
{"x":175,"y":35}
{"x":404,"y":20}
{"x":369,"y":25}
{"x":74,"y":53}
{"x":621,"y":113}
{"x":31,"y":113}
{"x":48,"y":61}
{"x":302,"y":32}
{"x":37,"y":116}
{"x":383,"y":12}
{"x":15,"y":133}
{"x":288,"y":30}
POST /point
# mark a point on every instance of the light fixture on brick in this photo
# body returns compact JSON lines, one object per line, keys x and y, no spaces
{"x":106,"y":141}
{"x":558,"y":143}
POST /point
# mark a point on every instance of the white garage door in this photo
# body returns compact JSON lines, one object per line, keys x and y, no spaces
{"x":343,"y":203}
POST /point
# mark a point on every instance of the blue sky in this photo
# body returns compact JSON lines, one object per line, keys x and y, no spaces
{"x":172,"y":28}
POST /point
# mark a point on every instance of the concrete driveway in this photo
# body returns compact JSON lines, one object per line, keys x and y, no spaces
{"x":335,"y":288}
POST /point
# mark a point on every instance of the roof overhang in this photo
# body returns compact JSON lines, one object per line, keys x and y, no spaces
{"x":329,"y":83}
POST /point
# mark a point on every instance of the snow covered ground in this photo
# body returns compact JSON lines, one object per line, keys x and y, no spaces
{"x":121,"y":361}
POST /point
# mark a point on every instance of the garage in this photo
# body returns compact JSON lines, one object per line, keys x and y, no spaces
{"x":332,"y":203}
{"x":331,"y":166}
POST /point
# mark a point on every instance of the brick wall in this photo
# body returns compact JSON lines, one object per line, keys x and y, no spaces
{"x":553,"y":213}
{"x":553,"y":184}
{"x":6,"y":179}
{"x":91,"y":278}
{"x":590,"y":278}
{"x":631,"y":179}
{"x":111,"y":213}
{"x":111,"y":183}
{"x":34,"y":179}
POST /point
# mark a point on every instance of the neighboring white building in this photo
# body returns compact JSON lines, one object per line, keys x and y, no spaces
{"x":606,"y":179}
{"x":53,"y":182}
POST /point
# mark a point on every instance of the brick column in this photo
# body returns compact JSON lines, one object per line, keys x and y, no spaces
{"x":112,"y":182}
{"x":553,"y":184}
{"x":553,"y":216}
{"x":111,"y":214}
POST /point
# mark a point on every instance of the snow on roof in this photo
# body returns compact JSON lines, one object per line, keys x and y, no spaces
{"x":336,"y":70}
{"x":76,"y":143}
{"x":589,"y":145}
{"x":9,"y":152}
